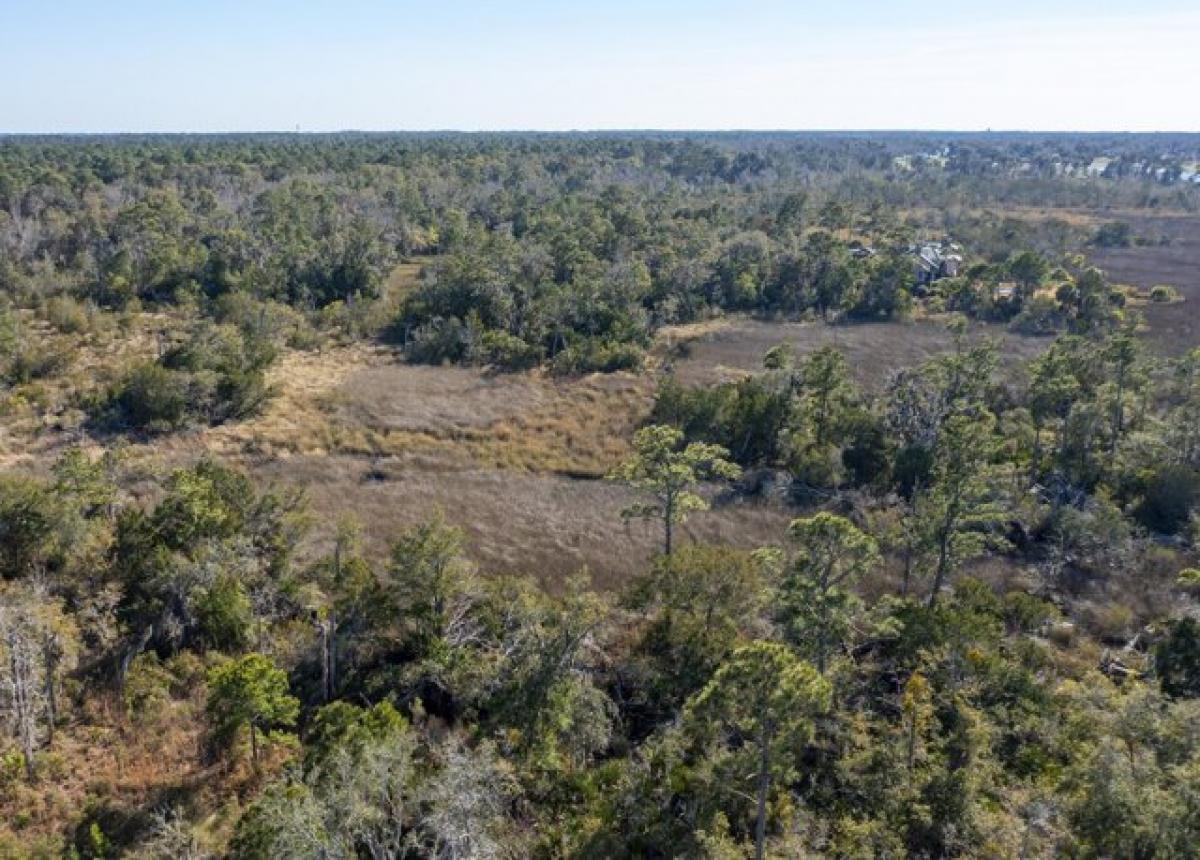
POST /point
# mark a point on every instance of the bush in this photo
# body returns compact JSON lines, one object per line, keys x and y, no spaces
{"x":1163,"y":293}
{"x":1168,"y":496}
{"x":746,"y":418}
{"x":593,"y":355}
{"x":1114,"y":234}
{"x":1040,"y":316}
{"x":147,"y":688}
{"x":508,"y":352}
{"x":217,"y":376}
{"x":153,"y":398}
{"x":68,"y":315}
{"x":35,"y":361}
{"x":224,"y":614}
{"x":271,"y":321}
{"x":1177,"y":659}
{"x":439,"y":341}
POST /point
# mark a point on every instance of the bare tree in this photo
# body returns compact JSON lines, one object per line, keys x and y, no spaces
{"x":37,"y":641}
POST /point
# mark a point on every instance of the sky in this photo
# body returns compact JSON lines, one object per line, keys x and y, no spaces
{"x":253,"y":65}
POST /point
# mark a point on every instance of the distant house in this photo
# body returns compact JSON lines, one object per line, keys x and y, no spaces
{"x":935,"y":260}
{"x":1004,"y":292}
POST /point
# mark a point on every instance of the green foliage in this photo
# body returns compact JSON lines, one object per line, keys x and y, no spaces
{"x":590,"y":355}
{"x":766,"y":696}
{"x":1113,"y":234}
{"x":249,"y":692}
{"x":507,"y":352}
{"x":215,"y":377}
{"x":426,"y":578}
{"x":1169,"y":495}
{"x":816,"y":604}
{"x":224,"y":614}
{"x":703,"y":601}
{"x":958,"y":515}
{"x":452,"y":713}
{"x":746,"y":418}
{"x":667,"y":470}
{"x":1177,"y":659}
{"x":30,"y":527}
{"x":1163,"y":293}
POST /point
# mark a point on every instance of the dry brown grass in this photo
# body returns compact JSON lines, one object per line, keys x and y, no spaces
{"x":38,"y":418}
{"x":104,"y":766}
{"x":366,"y":401}
{"x":1175,"y":326}
{"x":542,"y":524}
{"x":727,"y":349}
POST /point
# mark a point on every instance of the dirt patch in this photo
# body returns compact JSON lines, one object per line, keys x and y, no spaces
{"x":734,"y":347}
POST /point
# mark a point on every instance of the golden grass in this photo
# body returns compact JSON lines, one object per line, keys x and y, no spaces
{"x":363,"y":400}
{"x":404,"y":277}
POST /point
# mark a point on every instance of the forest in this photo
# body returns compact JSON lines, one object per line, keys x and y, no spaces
{"x":600,"y":495}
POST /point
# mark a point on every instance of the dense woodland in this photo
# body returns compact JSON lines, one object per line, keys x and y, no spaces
{"x":979,"y":636}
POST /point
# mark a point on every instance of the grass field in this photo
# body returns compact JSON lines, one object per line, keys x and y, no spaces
{"x":730,"y":348}
{"x":545,"y":524}
{"x":1175,"y":327}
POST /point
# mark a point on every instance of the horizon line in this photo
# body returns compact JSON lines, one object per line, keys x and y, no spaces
{"x":299,"y":132}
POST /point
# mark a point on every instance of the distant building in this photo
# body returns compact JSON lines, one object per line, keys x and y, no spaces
{"x":1004,"y":292}
{"x":936,"y":260}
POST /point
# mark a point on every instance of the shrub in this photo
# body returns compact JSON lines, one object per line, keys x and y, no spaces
{"x":271,"y":321}
{"x":593,"y":355}
{"x":1163,"y":293}
{"x":1177,"y":659}
{"x":1027,"y":614}
{"x":147,"y":688}
{"x":217,"y":376}
{"x":35,"y":361}
{"x":1114,"y":234}
{"x":440,"y":340}
{"x":153,"y":398}
{"x":1168,"y":496}
{"x":1040,"y":315}
{"x":68,"y":315}
{"x":508,"y":352}
{"x":224,"y":614}
{"x":746,"y":418}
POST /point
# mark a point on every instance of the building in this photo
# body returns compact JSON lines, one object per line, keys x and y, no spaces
{"x":936,"y":260}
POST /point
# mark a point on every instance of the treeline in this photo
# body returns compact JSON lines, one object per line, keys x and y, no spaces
{"x":561,"y":242}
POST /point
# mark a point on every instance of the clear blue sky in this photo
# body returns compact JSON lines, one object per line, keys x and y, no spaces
{"x":213,"y":65}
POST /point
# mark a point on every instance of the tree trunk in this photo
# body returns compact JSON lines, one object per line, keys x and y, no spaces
{"x":1035,"y":460}
{"x":253,"y":744}
{"x":945,"y":536}
{"x":328,"y":629}
{"x":50,"y":655}
{"x":668,"y":516}
{"x":764,"y":786}
{"x":22,"y":691}
{"x":939,"y":574}
{"x":129,"y":656}
{"x":908,"y":563}
{"x":331,"y":660}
